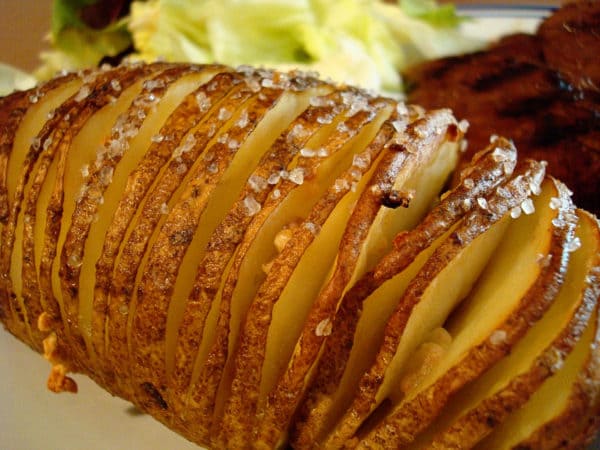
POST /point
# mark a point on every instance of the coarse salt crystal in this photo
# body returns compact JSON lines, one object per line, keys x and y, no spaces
{"x":361,"y":161}
{"x":51,"y":114}
{"x":251,"y":205}
{"x":467,"y":204}
{"x":213,"y":168}
{"x":482,"y":202}
{"x":527,"y":206}
{"x":116,"y":85}
{"x":276,"y":193}
{"x":257,"y":183}
{"x":85,"y":170}
{"x":307,"y":152}
{"x":312,"y":227}
{"x":164,"y":208}
{"x":573,"y":245}
{"x":83,"y":92}
{"x":399,"y":125}
{"x":243,"y":120}
{"x":469,"y":183}
{"x":340,"y":185}
{"x":324,"y":328}
{"x":224,"y":114}
{"x":322,"y":152}
{"x":36,"y":143}
{"x":181,"y":169}
{"x":555,"y":203}
{"x":463,"y":126}
{"x":515,"y":212}
{"x":498,"y":337}
{"x":203,"y":101}
{"x":342,"y":127}
{"x":233,"y":144}
{"x":274,"y":178}
{"x":297,"y":175}
{"x":535,"y":188}
{"x":157,"y":138}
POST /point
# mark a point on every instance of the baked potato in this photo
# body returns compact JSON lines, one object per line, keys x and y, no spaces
{"x":259,"y":259}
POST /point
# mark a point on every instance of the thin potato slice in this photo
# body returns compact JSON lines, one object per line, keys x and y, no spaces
{"x":307,"y":187}
{"x":197,"y":329}
{"x":302,"y":138}
{"x":557,"y":414}
{"x":488,"y":169}
{"x":477,"y":409}
{"x":190,"y":222}
{"x":102,"y":179}
{"x":442,"y":283}
{"x":436,"y":162}
{"x":535,"y":278}
{"x":190,"y":112}
{"x":149,"y":218}
{"x":40,"y":161}
{"x":27,"y":125}
{"x":309,"y":268}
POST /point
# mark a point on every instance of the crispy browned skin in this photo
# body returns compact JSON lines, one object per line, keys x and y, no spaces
{"x":225,"y":164}
{"x":542,"y":90}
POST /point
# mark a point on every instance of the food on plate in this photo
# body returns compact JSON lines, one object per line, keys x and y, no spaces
{"x":258,"y":258}
{"x":364,"y":43}
{"x":542,"y":90}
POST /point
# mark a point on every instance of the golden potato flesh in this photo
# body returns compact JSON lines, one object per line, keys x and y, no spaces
{"x":483,"y":404}
{"x":259,"y":259}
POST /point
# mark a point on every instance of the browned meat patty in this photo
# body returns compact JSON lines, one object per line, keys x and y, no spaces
{"x":541,"y":90}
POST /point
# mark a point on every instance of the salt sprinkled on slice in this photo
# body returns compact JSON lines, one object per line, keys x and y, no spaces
{"x":164,"y":208}
{"x":51,"y":114}
{"x":361,"y":161}
{"x":224,"y":114}
{"x":325,"y":119}
{"x":297,"y":175}
{"x":36,"y":142}
{"x":324,"y":328}
{"x":493,"y":138}
{"x":401,"y":109}
{"x":573,"y":245}
{"x":498,"y":337}
{"x":482,"y":202}
{"x":223,"y":138}
{"x":307,"y":152}
{"x":82,"y":93}
{"x":342,"y":127}
{"x":243,"y":120}
{"x":257,"y":183}
{"x":115,"y":85}
{"x":340,"y":185}
{"x":463,"y":126}
{"x":47,"y":143}
{"x":181,"y":169}
{"x":213,"y":168}
{"x":399,"y":125}
{"x":233,"y":144}
{"x":515,"y":212}
{"x":467,"y":204}
{"x":157,"y":138}
{"x":322,"y":152}
{"x":469,"y":183}
{"x":203,"y":101}
{"x":251,"y":205}
{"x":85,"y":170}
{"x":74,"y":261}
{"x":555,"y":203}
{"x":276,"y":193}
{"x":274,"y":178}
{"x":535,"y":188}
{"x":312,"y":227}
{"x":527,"y":206}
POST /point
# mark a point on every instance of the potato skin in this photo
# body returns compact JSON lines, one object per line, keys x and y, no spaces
{"x":156,"y":216}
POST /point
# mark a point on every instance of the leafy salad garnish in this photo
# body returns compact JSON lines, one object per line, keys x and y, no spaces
{"x":364,"y":42}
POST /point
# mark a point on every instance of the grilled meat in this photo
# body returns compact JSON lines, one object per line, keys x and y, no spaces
{"x":543,"y":90}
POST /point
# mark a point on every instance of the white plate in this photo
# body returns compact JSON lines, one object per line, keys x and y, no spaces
{"x":32,"y":418}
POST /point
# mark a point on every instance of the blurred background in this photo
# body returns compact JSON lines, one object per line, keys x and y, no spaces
{"x":24,"y":24}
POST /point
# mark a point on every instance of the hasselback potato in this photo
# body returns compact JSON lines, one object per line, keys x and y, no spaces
{"x":260,"y":259}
